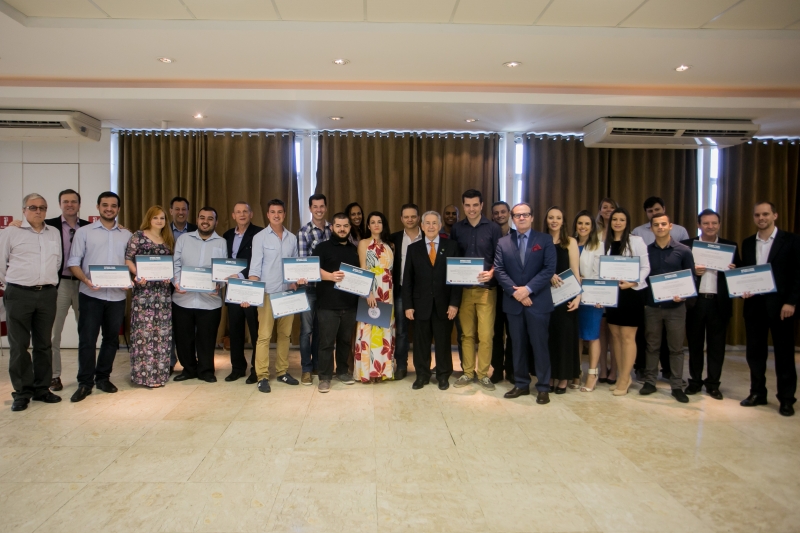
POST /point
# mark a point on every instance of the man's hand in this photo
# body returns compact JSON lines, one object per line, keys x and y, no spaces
{"x":244,"y":305}
{"x":293,"y":286}
{"x":337,"y":276}
{"x":302,"y":281}
{"x":555,"y":281}
{"x":732,"y":266}
{"x":91,"y":285}
{"x":627,"y":285}
{"x":452,"y":311}
{"x":486,"y":276}
{"x":699,"y":270}
{"x":678,"y":299}
{"x":15,"y":224}
{"x":410,"y":314}
{"x":747,"y":295}
{"x":178,"y":289}
{"x":787,"y":311}
{"x":521,"y":293}
{"x":526,"y":302}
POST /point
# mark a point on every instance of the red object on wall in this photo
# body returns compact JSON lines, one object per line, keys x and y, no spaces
{"x":5,"y":221}
{"x":93,"y":218}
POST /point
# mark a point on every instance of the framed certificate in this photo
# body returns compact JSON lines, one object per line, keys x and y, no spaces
{"x":295,"y":268}
{"x":154,"y":267}
{"x":604,"y":292}
{"x":464,"y":270}
{"x":754,"y":279}
{"x":619,"y":267}
{"x":222,"y":269}
{"x":667,"y":286}
{"x":568,"y":290}
{"x":712,"y":255}
{"x":110,"y":276}
{"x":197,"y":279}
{"x":241,"y":291}
{"x":289,"y":303}
{"x":380,"y":316}
{"x":356,"y":280}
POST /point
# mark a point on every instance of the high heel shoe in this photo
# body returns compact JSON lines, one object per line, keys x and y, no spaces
{"x":605,"y":379}
{"x":619,"y":391}
{"x":591,"y":372}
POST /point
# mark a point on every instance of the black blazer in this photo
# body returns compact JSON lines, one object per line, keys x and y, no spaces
{"x":56,"y":223}
{"x":784,"y":256}
{"x":425,"y":288}
{"x":246,"y":247}
{"x":724,"y":303}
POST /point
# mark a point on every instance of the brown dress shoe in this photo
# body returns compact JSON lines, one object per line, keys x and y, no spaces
{"x":543,"y":397}
{"x":56,"y":384}
{"x":516,"y":393}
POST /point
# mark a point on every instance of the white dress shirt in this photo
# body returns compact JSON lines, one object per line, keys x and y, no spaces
{"x":763,"y":247}
{"x":708,"y":281}
{"x":29,"y":258}
{"x":404,"y":248}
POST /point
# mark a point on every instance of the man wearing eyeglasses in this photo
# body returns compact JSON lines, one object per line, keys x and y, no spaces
{"x":30,"y":258}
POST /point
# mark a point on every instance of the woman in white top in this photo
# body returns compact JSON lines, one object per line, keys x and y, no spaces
{"x":589,"y":318}
{"x":608,"y":366}
{"x":626,"y":318}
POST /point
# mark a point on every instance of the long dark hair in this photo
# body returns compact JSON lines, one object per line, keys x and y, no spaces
{"x":356,"y":231}
{"x":563,"y":233}
{"x":624,"y":241}
{"x":592,"y":242}
{"x":385,"y":233}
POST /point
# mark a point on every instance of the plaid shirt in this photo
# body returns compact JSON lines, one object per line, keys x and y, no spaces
{"x":310,"y":236}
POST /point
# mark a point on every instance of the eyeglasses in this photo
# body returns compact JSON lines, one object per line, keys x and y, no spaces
{"x":34,"y":208}
{"x":517,"y":216}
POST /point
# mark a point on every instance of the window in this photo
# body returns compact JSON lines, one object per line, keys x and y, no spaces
{"x":518,"y":155}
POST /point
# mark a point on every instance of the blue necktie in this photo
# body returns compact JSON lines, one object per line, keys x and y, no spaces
{"x":522,"y":248}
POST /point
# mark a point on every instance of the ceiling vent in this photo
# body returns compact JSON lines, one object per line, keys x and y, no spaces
{"x":34,"y":125}
{"x":667,"y":133}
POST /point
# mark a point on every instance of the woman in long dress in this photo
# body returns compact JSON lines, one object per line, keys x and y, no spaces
{"x":151,"y":304}
{"x":374,"y":352}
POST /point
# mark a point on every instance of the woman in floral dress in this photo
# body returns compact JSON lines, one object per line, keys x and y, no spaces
{"x":374,"y":347}
{"x":151,"y":304}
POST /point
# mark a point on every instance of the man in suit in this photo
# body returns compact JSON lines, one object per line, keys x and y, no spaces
{"x":240,"y":246}
{"x":707,"y":315}
{"x":179,"y":212}
{"x":430,"y":302}
{"x":772,"y":313}
{"x":524,"y":264}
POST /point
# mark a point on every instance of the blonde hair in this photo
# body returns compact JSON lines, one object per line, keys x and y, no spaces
{"x":166,"y":231}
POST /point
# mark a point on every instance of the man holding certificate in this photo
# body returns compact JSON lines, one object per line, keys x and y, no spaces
{"x":773,"y":312}
{"x":666,"y":256}
{"x":196,"y":313}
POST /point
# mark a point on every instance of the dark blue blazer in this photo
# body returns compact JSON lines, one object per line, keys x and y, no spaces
{"x":540,"y":265}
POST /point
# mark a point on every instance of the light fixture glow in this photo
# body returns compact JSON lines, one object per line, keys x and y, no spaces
{"x":336,"y":118}
{"x":165,"y":60}
{"x":341,"y":61}
{"x":512,"y":64}
{"x":472,"y":120}
{"x":683,"y":68}
{"x":198,"y":115}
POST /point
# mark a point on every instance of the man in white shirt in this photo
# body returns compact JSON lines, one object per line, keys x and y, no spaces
{"x":655,"y":206}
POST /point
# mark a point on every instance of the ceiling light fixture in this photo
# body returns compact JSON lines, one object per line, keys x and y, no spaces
{"x":198,"y":115}
{"x":336,"y":118}
{"x":341,"y":61}
{"x":165,"y":60}
{"x":683,"y":68}
{"x":472,"y":120}
{"x":512,"y":64}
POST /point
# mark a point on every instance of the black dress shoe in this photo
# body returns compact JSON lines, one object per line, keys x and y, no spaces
{"x":444,"y":384}
{"x":183,"y":377}
{"x":106,"y":386}
{"x":692,"y":389}
{"x":252,"y":378}
{"x":20,"y":404}
{"x":400,"y":374}
{"x":543,"y":397}
{"x":516,"y":393}
{"x":561,"y":391}
{"x":497,"y":377}
{"x":648,"y":388}
{"x":233,"y":376}
{"x":210,"y":379}
{"x":419,"y":383}
{"x":47,"y":398}
{"x":786,"y":409}
{"x":56,"y":384}
{"x":81,"y":393}
{"x":752,"y":401}
{"x":679,"y":395}
{"x":714,"y":393}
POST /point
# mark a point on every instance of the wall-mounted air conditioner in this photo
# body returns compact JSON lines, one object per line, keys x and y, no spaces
{"x":38,"y":125}
{"x":666,"y":133}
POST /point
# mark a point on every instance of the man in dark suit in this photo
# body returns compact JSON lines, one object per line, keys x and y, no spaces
{"x":524,"y":264}
{"x":772,"y":313}
{"x":240,"y":246}
{"x":707,"y":315}
{"x":430,"y":302}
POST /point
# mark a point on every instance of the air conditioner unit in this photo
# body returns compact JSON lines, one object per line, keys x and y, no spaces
{"x":36,"y":125}
{"x":666,"y":133}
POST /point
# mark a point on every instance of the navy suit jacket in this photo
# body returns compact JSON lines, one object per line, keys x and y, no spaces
{"x":540,"y":265}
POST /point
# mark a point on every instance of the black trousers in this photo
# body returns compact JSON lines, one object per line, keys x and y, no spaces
{"x":195,"y":332}
{"x":30,"y":316}
{"x":95,"y":316}
{"x":238,"y":318}
{"x":502,"y":356}
{"x":439,"y":330}
{"x":757,"y":326}
{"x":335,"y":330}
{"x":705,"y":324}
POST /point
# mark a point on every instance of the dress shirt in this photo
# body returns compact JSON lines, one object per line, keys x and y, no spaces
{"x":644,"y":231}
{"x":478,"y":241}
{"x":66,"y":239}
{"x":29,"y":258}
{"x":708,"y":281}
{"x":178,"y":232}
{"x":267,"y":260}
{"x":672,"y":258}
{"x":237,"y":241}
{"x":404,"y":248}
{"x":428,"y":245}
{"x":96,"y":245}
{"x":192,"y":251}
{"x":310,"y":236}
{"x":763,"y":247}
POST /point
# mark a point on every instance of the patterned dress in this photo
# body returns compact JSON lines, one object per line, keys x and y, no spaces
{"x":374,"y":347}
{"x":151,"y":319}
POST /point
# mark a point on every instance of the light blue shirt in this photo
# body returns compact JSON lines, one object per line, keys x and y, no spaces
{"x":644,"y":231}
{"x":192,"y":251}
{"x":435,"y":244}
{"x":178,"y":232}
{"x":96,"y":245}
{"x":268,"y":251}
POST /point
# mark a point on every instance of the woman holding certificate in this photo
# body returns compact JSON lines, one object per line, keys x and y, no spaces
{"x":626,"y":318}
{"x":589,"y":317}
{"x":151,"y":304}
{"x":374,"y":351}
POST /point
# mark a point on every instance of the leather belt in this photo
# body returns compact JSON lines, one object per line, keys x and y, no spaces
{"x":32,"y":288}
{"x":70,"y":277}
{"x":708,"y":295}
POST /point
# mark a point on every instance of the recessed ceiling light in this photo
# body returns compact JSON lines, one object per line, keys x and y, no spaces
{"x":199,"y":115}
{"x":472,"y":120}
{"x":341,"y":61}
{"x":337,"y":118}
{"x":165,"y":60}
{"x":683,"y":68}
{"x":512,"y":64}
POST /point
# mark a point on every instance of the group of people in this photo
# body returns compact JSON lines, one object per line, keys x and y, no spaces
{"x":507,"y":324}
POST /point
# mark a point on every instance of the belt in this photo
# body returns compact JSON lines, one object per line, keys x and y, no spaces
{"x":33,"y":288}
{"x":708,"y":295}
{"x":70,"y":277}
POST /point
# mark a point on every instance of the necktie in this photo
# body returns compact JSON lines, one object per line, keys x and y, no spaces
{"x":432,"y":255}
{"x":522,"y":248}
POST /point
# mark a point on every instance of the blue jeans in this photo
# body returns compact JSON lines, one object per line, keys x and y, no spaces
{"x":309,"y":334}
{"x":401,"y":333}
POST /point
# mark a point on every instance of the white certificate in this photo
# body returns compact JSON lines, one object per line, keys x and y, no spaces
{"x":755,"y":280}
{"x":568,"y":290}
{"x":154,"y":267}
{"x":356,"y":280}
{"x":712,"y":255}
{"x":604,"y":292}
{"x":464,"y":270}
{"x":289,"y":303}
{"x":619,"y":267}
{"x":245,"y":291}
{"x":110,"y":276}
{"x":295,"y":268}
{"x":222,"y":269}
{"x":665,"y":287}
{"x":197,"y":279}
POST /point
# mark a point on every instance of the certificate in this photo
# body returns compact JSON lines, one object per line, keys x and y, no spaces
{"x":110,"y":276}
{"x":154,"y":267}
{"x":222,"y":269}
{"x":666,"y":286}
{"x":464,"y":270}
{"x":197,"y":279}
{"x":604,"y":292}
{"x":713,"y":256}
{"x":289,"y":303}
{"x":380,"y":316}
{"x":755,"y":280}
{"x":295,"y":268}
{"x":356,"y":280}
{"x":568,"y":290}
{"x":245,"y":291}
{"x":619,"y":267}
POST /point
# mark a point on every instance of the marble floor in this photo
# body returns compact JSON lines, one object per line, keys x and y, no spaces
{"x":225,"y":458}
